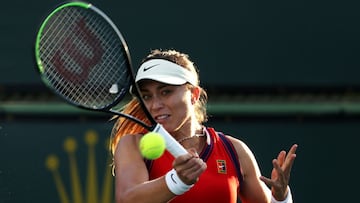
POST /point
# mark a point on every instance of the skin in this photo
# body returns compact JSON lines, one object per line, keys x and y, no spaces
{"x":173,"y":107}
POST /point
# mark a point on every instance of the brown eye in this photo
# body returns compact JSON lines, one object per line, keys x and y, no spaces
{"x":165,"y":92}
{"x":145,"y":97}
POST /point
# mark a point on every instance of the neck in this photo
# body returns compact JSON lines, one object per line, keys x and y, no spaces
{"x":190,"y":137}
{"x":187,"y":128}
{"x":195,"y":141}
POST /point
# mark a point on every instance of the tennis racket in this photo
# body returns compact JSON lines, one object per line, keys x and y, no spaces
{"x":83,"y":58}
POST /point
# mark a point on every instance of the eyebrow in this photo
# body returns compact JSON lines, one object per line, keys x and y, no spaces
{"x":157,"y":88}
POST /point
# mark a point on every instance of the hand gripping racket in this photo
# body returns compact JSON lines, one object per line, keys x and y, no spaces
{"x":82,"y":56}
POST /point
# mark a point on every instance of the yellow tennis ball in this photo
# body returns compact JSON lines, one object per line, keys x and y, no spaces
{"x":152,"y":145}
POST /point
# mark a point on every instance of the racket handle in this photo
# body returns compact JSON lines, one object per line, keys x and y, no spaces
{"x":175,"y":148}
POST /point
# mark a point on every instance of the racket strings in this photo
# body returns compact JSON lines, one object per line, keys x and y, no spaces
{"x":82,"y":60}
{"x":57,"y":32}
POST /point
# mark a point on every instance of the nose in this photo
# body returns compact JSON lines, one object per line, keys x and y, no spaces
{"x":156,"y":103}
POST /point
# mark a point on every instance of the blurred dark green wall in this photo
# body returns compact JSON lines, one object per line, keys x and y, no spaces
{"x":253,"y":43}
{"x":28,"y":147}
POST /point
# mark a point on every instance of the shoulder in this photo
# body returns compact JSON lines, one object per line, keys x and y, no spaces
{"x":241,"y":148}
{"x":246,"y":157}
{"x":127,"y":144}
{"x":239,"y":145}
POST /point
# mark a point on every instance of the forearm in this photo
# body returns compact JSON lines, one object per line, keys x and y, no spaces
{"x":154,"y":191}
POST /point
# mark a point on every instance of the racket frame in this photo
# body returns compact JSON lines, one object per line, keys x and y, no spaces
{"x":175,"y":148}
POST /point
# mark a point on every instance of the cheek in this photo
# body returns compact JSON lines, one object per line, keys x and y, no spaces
{"x":183,"y":106}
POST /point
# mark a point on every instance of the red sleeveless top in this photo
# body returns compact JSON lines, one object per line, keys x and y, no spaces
{"x":220,"y":183}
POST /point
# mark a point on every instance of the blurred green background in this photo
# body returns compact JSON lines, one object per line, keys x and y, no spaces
{"x":277,"y":73}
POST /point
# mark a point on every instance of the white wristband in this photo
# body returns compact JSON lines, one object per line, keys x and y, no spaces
{"x":288,"y":198}
{"x":175,"y":184}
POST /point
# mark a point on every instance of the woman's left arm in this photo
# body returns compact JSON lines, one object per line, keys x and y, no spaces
{"x":254,"y":187}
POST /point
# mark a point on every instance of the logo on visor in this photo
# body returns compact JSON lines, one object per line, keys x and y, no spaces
{"x":148,"y":68}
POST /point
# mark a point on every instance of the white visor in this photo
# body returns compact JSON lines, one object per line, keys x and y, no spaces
{"x":165,"y":71}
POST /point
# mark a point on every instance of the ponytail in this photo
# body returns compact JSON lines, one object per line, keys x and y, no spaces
{"x":124,"y":126}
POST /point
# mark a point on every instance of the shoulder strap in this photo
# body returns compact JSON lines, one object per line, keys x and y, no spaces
{"x":232,"y":153}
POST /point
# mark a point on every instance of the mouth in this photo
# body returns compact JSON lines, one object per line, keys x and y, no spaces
{"x":161,"y":118}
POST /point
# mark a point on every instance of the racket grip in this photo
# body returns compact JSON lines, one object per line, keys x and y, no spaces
{"x":175,"y":148}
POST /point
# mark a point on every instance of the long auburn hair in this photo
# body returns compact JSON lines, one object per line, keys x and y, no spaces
{"x":125,"y":126}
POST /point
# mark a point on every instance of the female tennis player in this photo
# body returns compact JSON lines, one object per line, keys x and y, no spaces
{"x":218,"y":167}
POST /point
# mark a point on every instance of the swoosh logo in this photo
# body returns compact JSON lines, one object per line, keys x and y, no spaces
{"x":148,"y":68}
{"x":172,"y":178}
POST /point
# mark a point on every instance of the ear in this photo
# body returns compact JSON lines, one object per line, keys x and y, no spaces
{"x":195,"y":94}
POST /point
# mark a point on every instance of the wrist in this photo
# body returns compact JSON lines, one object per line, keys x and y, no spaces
{"x":288,"y":198}
{"x":175,"y":184}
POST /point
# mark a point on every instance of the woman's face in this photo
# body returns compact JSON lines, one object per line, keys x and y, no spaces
{"x":170,"y":105}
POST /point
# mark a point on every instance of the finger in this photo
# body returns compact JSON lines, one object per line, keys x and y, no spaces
{"x":267,"y":181}
{"x":191,"y":166}
{"x":277,"y":166}
{"x":195,"y":172}
{"x":290,"y":158}
{"x":293,"y":149}
{"x":281,"y":157}
{"x":181,"y":160}
{"x":292,"y":152}
{"x":192,"y":170}
{"x":193,"y":152}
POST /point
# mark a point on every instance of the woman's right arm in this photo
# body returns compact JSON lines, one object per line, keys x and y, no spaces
{"x":131,"y":176}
